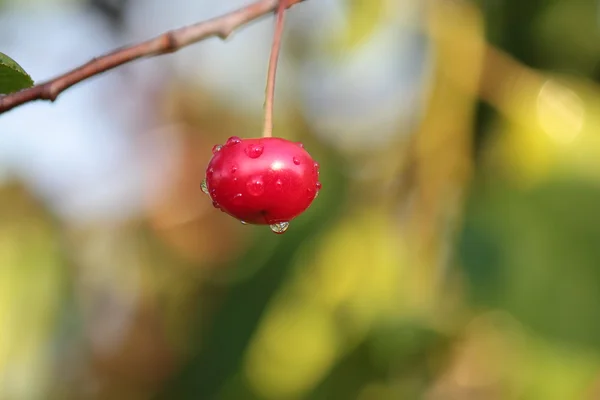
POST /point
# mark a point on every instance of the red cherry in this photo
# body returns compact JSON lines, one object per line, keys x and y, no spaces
{"x":265,"y":181}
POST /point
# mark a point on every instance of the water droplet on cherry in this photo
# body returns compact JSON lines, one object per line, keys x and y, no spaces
{"x":280,"y":227}
{"x":237,"y":198}
{"x":244,"y":223}
{"x":254,"y":150}
{"x":233,"y":141}
{"x":311,"y":193}
{"x":278,"y":184}
{"x":255,"y":186}
{"x":215,"y":204}
{"x":300,"y":145}
{"x":319,"y":185}
{"x":233,"y":169}
{"x":296,"y":160}
{"x":216,"y":148}
{"x":317,"y":166}
{"x":204,"y":187}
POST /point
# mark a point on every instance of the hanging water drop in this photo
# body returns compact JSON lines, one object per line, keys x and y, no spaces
{"x":280,"y":227}
{"x":244,"y":222}
{"x":204,"y":187}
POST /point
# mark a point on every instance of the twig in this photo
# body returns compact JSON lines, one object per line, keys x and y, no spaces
{"x":270,"y":90}
{"x":168,"y":42}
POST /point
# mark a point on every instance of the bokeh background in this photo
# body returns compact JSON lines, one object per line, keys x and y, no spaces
{"x":453,"y":253}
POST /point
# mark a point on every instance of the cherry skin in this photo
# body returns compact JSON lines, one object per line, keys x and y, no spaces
{"x":264,"y":181}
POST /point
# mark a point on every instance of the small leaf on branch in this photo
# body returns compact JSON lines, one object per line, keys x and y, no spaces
{"x":12,"y":77}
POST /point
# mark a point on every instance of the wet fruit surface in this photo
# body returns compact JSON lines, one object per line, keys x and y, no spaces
{"x":267,"y":181}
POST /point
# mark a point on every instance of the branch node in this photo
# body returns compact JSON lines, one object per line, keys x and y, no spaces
{"x":169,"y":42}
{"x":224,"y":35}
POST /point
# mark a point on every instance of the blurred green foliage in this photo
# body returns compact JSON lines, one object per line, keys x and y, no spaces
{"x":458,"y":261}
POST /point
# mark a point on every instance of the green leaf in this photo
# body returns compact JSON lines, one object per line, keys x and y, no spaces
{"x":12,"y":77}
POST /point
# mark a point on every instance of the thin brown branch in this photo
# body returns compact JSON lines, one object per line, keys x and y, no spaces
{"x":270,"y":90}
{"x":168,"y":42}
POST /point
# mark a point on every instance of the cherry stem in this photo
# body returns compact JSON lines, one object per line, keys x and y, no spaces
{"x":270,"y":90}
